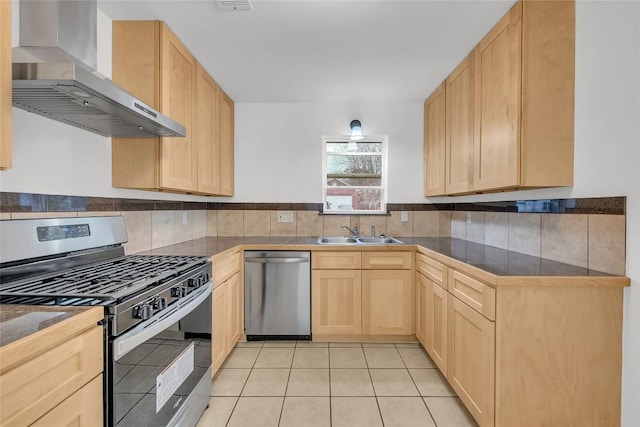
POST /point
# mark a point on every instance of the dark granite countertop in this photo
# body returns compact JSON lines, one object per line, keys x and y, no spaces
{"x":493,"y":260}
{"x":20,"y":321}
{"x":499,"y":261}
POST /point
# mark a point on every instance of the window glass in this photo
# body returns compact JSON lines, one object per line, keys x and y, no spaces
{"x":354,"y":175}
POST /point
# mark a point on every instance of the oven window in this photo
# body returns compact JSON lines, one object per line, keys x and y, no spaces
{"x":185,"y":348}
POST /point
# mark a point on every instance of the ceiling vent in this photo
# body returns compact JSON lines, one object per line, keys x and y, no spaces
{"x":234,"y":4}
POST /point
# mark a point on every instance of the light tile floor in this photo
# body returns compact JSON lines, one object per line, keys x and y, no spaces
{"x":308,"y":384}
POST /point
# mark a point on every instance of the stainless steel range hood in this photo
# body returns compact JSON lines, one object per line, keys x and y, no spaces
{"x":54,"y":74}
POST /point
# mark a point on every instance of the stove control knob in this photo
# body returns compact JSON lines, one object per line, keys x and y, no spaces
{"x":142,"y":311}
{"x":207,"y":276}
{"x":160,"y":303}
{"x":192,"y":283}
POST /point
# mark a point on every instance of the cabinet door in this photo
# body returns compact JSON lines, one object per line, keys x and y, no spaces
{"x":5,"y":85}
{"x":226,"y":145}
{"x":235,"y":312}
{"x":459,"y":129}
{"x":82,"y":408}
{"x":387,"y":302}
{"x":207,"y":133}
{"x":219,"y":337}
{"x":336,"y":300}
{"x":178,"y":157}
{"x":436,"y":313}
{"x":434,"y":142}
{"x":136,"y":59}
{"x":497,"y":105}
{"x":421,"y":309}
{"x":471,"y":364}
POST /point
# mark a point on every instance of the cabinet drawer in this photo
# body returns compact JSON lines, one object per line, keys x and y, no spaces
{"x":35,"y":387}
{"x":386,"y":260}
{"x":336,"y":260}
{"x":432,"y":269}
{"x":475,"y":294}
{"x":225,"y":268}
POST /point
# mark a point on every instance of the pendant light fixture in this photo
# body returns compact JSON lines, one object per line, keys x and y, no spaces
{"x":356,"y":135}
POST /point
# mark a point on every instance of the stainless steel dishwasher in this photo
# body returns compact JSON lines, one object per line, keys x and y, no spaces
{"x":277,"y":295}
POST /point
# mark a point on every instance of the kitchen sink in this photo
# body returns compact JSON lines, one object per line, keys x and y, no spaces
{"x":378,"y":240}
{"x":345,"y":240}
{"x":337,"y":240}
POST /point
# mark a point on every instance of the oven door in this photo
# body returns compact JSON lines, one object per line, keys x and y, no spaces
{"x":161,"y":370}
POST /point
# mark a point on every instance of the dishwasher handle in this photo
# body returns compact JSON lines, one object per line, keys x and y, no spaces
{"x":292,"y":260}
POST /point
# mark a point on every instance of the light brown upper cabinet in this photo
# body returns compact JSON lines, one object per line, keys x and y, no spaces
{"x":516,"y":91}
{"x":434,"y":142}
{"x":524,"y":98}
{"x":150,"y":62}
{"x":208,"y":133}
{"x":226,"y":145}
{"x":459,"y":129}
{"x":5,"y":85}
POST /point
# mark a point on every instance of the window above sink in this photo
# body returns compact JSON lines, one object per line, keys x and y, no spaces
{"x":354,"y":175}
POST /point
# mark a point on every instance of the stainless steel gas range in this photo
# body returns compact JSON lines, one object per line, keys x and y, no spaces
{"x":157,"y":308}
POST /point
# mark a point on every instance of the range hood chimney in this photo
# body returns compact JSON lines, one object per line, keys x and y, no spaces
{"x":54,"y":74}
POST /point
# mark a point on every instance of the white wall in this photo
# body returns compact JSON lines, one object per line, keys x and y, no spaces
{"x":279,"y":147}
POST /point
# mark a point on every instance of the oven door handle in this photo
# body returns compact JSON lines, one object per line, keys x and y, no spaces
{"x":141,"y":333}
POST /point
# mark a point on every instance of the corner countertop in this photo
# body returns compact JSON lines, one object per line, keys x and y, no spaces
{"x":20,"y":321}
{"x":484,"y":259}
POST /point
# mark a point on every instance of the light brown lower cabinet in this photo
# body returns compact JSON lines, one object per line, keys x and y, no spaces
{"x":541,"y":352}
{"x":218,"y":323}
{"x":82,"y":408}
{"x":431,"y":320}
{"x":54,"y":376}
{"x":387,"y":307}
{"x":227,"y":319}
{"x":471,"y":359}
{"x":336,"y":297}
{"x":437,"y":334}
{"x":421,"y":309}
{"x":361,"y":293}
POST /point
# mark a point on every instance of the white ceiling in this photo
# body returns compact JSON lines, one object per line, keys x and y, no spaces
{"x":324,"y":50}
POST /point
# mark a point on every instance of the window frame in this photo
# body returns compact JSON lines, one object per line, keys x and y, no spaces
{"x":383,"y":139}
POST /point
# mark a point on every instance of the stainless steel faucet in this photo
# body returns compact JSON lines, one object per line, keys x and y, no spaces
{"x":354,"y":232}
{"x":373,"y":231}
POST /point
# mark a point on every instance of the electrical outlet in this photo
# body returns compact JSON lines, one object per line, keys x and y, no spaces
{"x":404,"y":216}
{"x":468,"y":217}
{"x":185,"y":218}
{"x":285,"y":216}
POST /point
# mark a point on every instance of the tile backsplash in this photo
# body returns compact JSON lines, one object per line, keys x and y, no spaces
{"x":596,"y":241}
